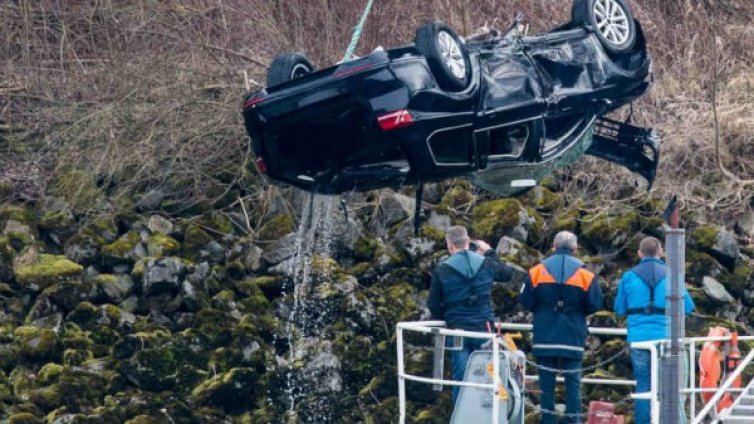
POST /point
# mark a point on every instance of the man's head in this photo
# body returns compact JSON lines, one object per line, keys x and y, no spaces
{"x":457,"y":239}
{"x":650,"y":247}
{"x":565,"y":240}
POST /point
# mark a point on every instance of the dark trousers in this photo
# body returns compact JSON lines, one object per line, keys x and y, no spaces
{"x":572,"y":386}
{"x":459,"y":358}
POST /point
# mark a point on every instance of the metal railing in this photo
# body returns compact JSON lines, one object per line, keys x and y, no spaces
{"x":437,"y":328}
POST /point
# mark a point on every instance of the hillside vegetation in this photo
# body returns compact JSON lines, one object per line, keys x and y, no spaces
{"x":149,"y":274}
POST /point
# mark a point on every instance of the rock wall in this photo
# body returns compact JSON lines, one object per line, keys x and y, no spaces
{"x":143,"y":316}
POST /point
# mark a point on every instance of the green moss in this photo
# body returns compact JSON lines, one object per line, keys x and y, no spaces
{"x":611,"y":228}
{"x":55,"y":219}
{"x":365,"y":248}
{"x":217,"y":222}
{"x":194,"y":238}
{"x":17,"y":213}
{"x":537,"y":228}
{"x":76,"y":186}
{"x":276,"y":228}
{"x":491,"y":219}
{"x":432,"y":233}
{"x":46,"y":398}
{"x":160,"y":245}
{"x":705,"y":237}
{"x":49,"y":373}
{"x":24,"y":418}
{"x":47,"y":270}
{"x":35,"y":343}
{"x":145,"y":419}
{"x":83,"y":314}
{"x":123,"y":248}
{"x":229,"y":390}
{"x":76,"y":357}
{"x":567,"y":220}
{"x":457,"y":196}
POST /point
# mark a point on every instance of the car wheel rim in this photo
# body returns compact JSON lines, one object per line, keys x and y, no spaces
{"x":450,"y":50}
{"x":299,"y":70}
{"x":612,"y":22}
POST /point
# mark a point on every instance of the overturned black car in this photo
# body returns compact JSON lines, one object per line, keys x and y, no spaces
{"x":503,"y":109}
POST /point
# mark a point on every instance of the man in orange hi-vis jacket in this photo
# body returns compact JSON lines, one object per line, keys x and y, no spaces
{"x":561,"y":293}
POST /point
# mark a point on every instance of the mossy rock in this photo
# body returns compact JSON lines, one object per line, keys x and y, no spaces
{"x":492,"y":219}
{"x":611,"y":229}
{"x":19,"y":234}
{"x":46,"y":270}
{"x":567,"y":220}
{"x":160,"y":245}
{"x":366,"y":248}
{"x":49,"y":373}
{"x":35,"y":343}
{"x":705,"y":237}
{"x":146,"y":419}
{"x":24,"y":418}
{"x":217,"y":223}
{"x":76,"y":186}
{"x":276,"y":228}
{"x":459,"y":195}
{"x":7,"y":253}
{"x":46,"y":398}
{"x":21,"y":214}
{"x":194,"y":238}
{"x":126,"y":250}
{"x":230,"y":391}
{"x":543,"y":199}
{"x":56,"y":220}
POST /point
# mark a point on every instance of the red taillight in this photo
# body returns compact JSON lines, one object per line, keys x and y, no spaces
{"x":252,"y":102}
{"x":261,"y":166}
{"x":393,"y":120}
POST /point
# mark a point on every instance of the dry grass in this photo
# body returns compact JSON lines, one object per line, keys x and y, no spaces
{"x":146,"y":93}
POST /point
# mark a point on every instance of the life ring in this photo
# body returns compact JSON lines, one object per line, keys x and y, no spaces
{"x":715,"y":355}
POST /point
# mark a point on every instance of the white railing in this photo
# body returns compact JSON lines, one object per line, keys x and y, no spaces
{"x":437,"y":327}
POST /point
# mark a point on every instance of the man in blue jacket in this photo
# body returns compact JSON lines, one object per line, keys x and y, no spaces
{"x":641,"y":296}
{"x":561,"y":293}
{"x":461,"y":292}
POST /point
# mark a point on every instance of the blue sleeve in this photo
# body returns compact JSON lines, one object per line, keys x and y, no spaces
{"x":434,"y":302}
{"x":620,"y":306}
{"x":689,"y":303}
{"x":527,"y":298}
{"x":594,"y":296}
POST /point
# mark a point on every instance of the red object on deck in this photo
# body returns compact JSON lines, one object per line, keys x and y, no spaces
{"x":603,"y":413}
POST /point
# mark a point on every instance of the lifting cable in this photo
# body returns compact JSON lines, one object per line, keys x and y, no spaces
{"x":357,"y":30}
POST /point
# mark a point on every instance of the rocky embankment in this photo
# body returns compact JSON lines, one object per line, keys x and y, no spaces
{"x":141,"y":316}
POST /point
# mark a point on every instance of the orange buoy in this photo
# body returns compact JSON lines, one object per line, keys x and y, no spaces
{"x":714,"y":355}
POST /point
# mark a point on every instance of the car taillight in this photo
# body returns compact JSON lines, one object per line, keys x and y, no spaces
{"x":261,"y":166}
{"x":393,"y":120}
{"x":252,"y":102}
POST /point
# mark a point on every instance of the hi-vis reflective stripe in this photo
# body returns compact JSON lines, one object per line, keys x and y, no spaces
{"x":581,"y":278}
{"x":558,"y":347}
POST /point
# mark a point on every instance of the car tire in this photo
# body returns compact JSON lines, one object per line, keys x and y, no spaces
{"x":446,"y":55}
{"x":610,"y":20}
{"x":288,"y":66}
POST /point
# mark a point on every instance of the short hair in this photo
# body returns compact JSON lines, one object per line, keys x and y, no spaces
{"x":650,"y":247}
{"x":457,"y":236}
{"x":565,"y":240}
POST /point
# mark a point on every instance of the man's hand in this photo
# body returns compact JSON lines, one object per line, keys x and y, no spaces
{"x":482,"y":246}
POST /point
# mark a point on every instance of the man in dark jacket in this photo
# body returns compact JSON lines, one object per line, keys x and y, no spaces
{"x":641,"y":296}
{"x":561,"y":293}
{"x":461,"y":292}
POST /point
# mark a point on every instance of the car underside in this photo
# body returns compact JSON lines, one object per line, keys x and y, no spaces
{"x":504,"y":110}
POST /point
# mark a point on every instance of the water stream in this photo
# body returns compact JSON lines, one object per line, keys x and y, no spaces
{"x":307,"y":383}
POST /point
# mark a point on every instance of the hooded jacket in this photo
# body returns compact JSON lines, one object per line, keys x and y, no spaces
{"x":461,"y":289}
{"x":561,"y":293}
{"x":641,"y":296}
